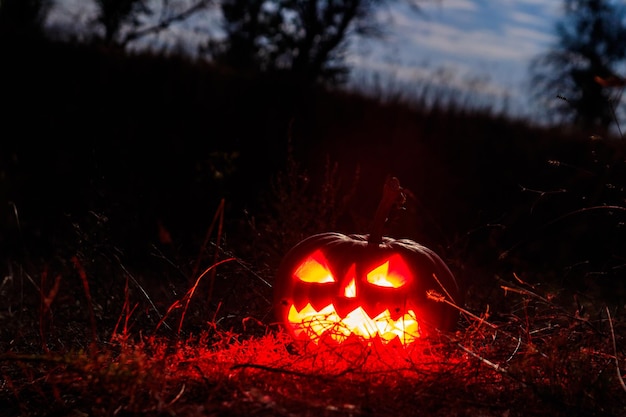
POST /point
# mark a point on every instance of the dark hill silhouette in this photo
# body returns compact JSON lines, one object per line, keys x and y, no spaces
{"x":144,"y":140}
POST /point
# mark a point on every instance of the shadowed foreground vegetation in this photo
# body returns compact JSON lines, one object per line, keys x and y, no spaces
{"x":148,"y":202}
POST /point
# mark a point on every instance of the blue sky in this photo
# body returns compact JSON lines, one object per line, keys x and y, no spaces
{"x":477,"y":48}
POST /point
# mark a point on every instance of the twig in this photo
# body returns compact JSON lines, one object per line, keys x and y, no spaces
{"x":126,"y":313}
{"x":435,"y":296}
{"x":193,"y":289}
{"x":83,"y":277}
{"x":242,"y":264}
{"x":487,"y":362}
{"x":619,"y":374}
{"x":443,"y":288}
{"x":165,"y":23}
{"x":269,"y":369}
{"x":180,"y":394}
{"x":143,"y":291}
{"x":523,"y":291}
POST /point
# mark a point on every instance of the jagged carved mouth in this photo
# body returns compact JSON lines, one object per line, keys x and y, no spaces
{"x":327,"y":322}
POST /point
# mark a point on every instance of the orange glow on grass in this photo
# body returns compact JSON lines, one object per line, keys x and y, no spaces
{"x":315,"y":324}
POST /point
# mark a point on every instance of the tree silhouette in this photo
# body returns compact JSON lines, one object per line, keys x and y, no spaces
{"x":115,"y":13}
{"x":307,"y":38}
{"x":124,"y":21}
{"x":251,"y":30}
{"x":591,"y":46}
{"x":23,"y":18}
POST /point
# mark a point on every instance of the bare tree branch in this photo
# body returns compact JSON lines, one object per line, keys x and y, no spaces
{"x":166,"y":22}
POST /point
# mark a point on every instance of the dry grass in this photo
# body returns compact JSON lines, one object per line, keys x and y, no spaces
{"x":93,"y":326}
{"x":151,"y":344}
{"x":85,"y":335}
{"x":542,"y":359}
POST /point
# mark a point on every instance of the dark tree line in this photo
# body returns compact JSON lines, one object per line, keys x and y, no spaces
{"x":309,"y":39}
{"x":124,"y":21}
{"x":23,"y":18}
{"x":576,"y":78}
{"x":116,"y":24}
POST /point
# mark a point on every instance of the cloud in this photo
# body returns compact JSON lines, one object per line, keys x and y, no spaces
{"x":481,"y":41}
{"x":467,"y":29}
{"x":457,"y":5}
{"x":528,"y":18}
{"x":448,"y":82}
{"x":78,"y":15}
{"x":477,"y":43}
{"x":532,"y":38}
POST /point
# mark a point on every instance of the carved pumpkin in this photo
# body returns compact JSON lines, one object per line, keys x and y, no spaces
{"x":337,"y":286}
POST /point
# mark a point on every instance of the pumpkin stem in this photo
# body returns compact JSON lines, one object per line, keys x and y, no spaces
{"x":392,"y":194}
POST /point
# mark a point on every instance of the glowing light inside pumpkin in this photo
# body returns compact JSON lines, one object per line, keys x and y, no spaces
{"x":350,"y":290}
{"x":315,"y":324}
{"x":394,"y":277}
{"x":315,"y":269}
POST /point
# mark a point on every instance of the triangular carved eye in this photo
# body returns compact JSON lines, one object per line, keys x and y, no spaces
{"x":394,"y":273}
{"x":314,"y":269}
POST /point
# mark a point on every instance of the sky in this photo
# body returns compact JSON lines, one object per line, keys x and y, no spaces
{"x":475,"y":49}
{"x":481,"y":48}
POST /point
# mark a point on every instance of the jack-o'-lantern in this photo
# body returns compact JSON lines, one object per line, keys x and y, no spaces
{"x":333,"y":286}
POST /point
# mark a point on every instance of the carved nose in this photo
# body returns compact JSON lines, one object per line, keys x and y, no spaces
{"x":350,"y":290}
